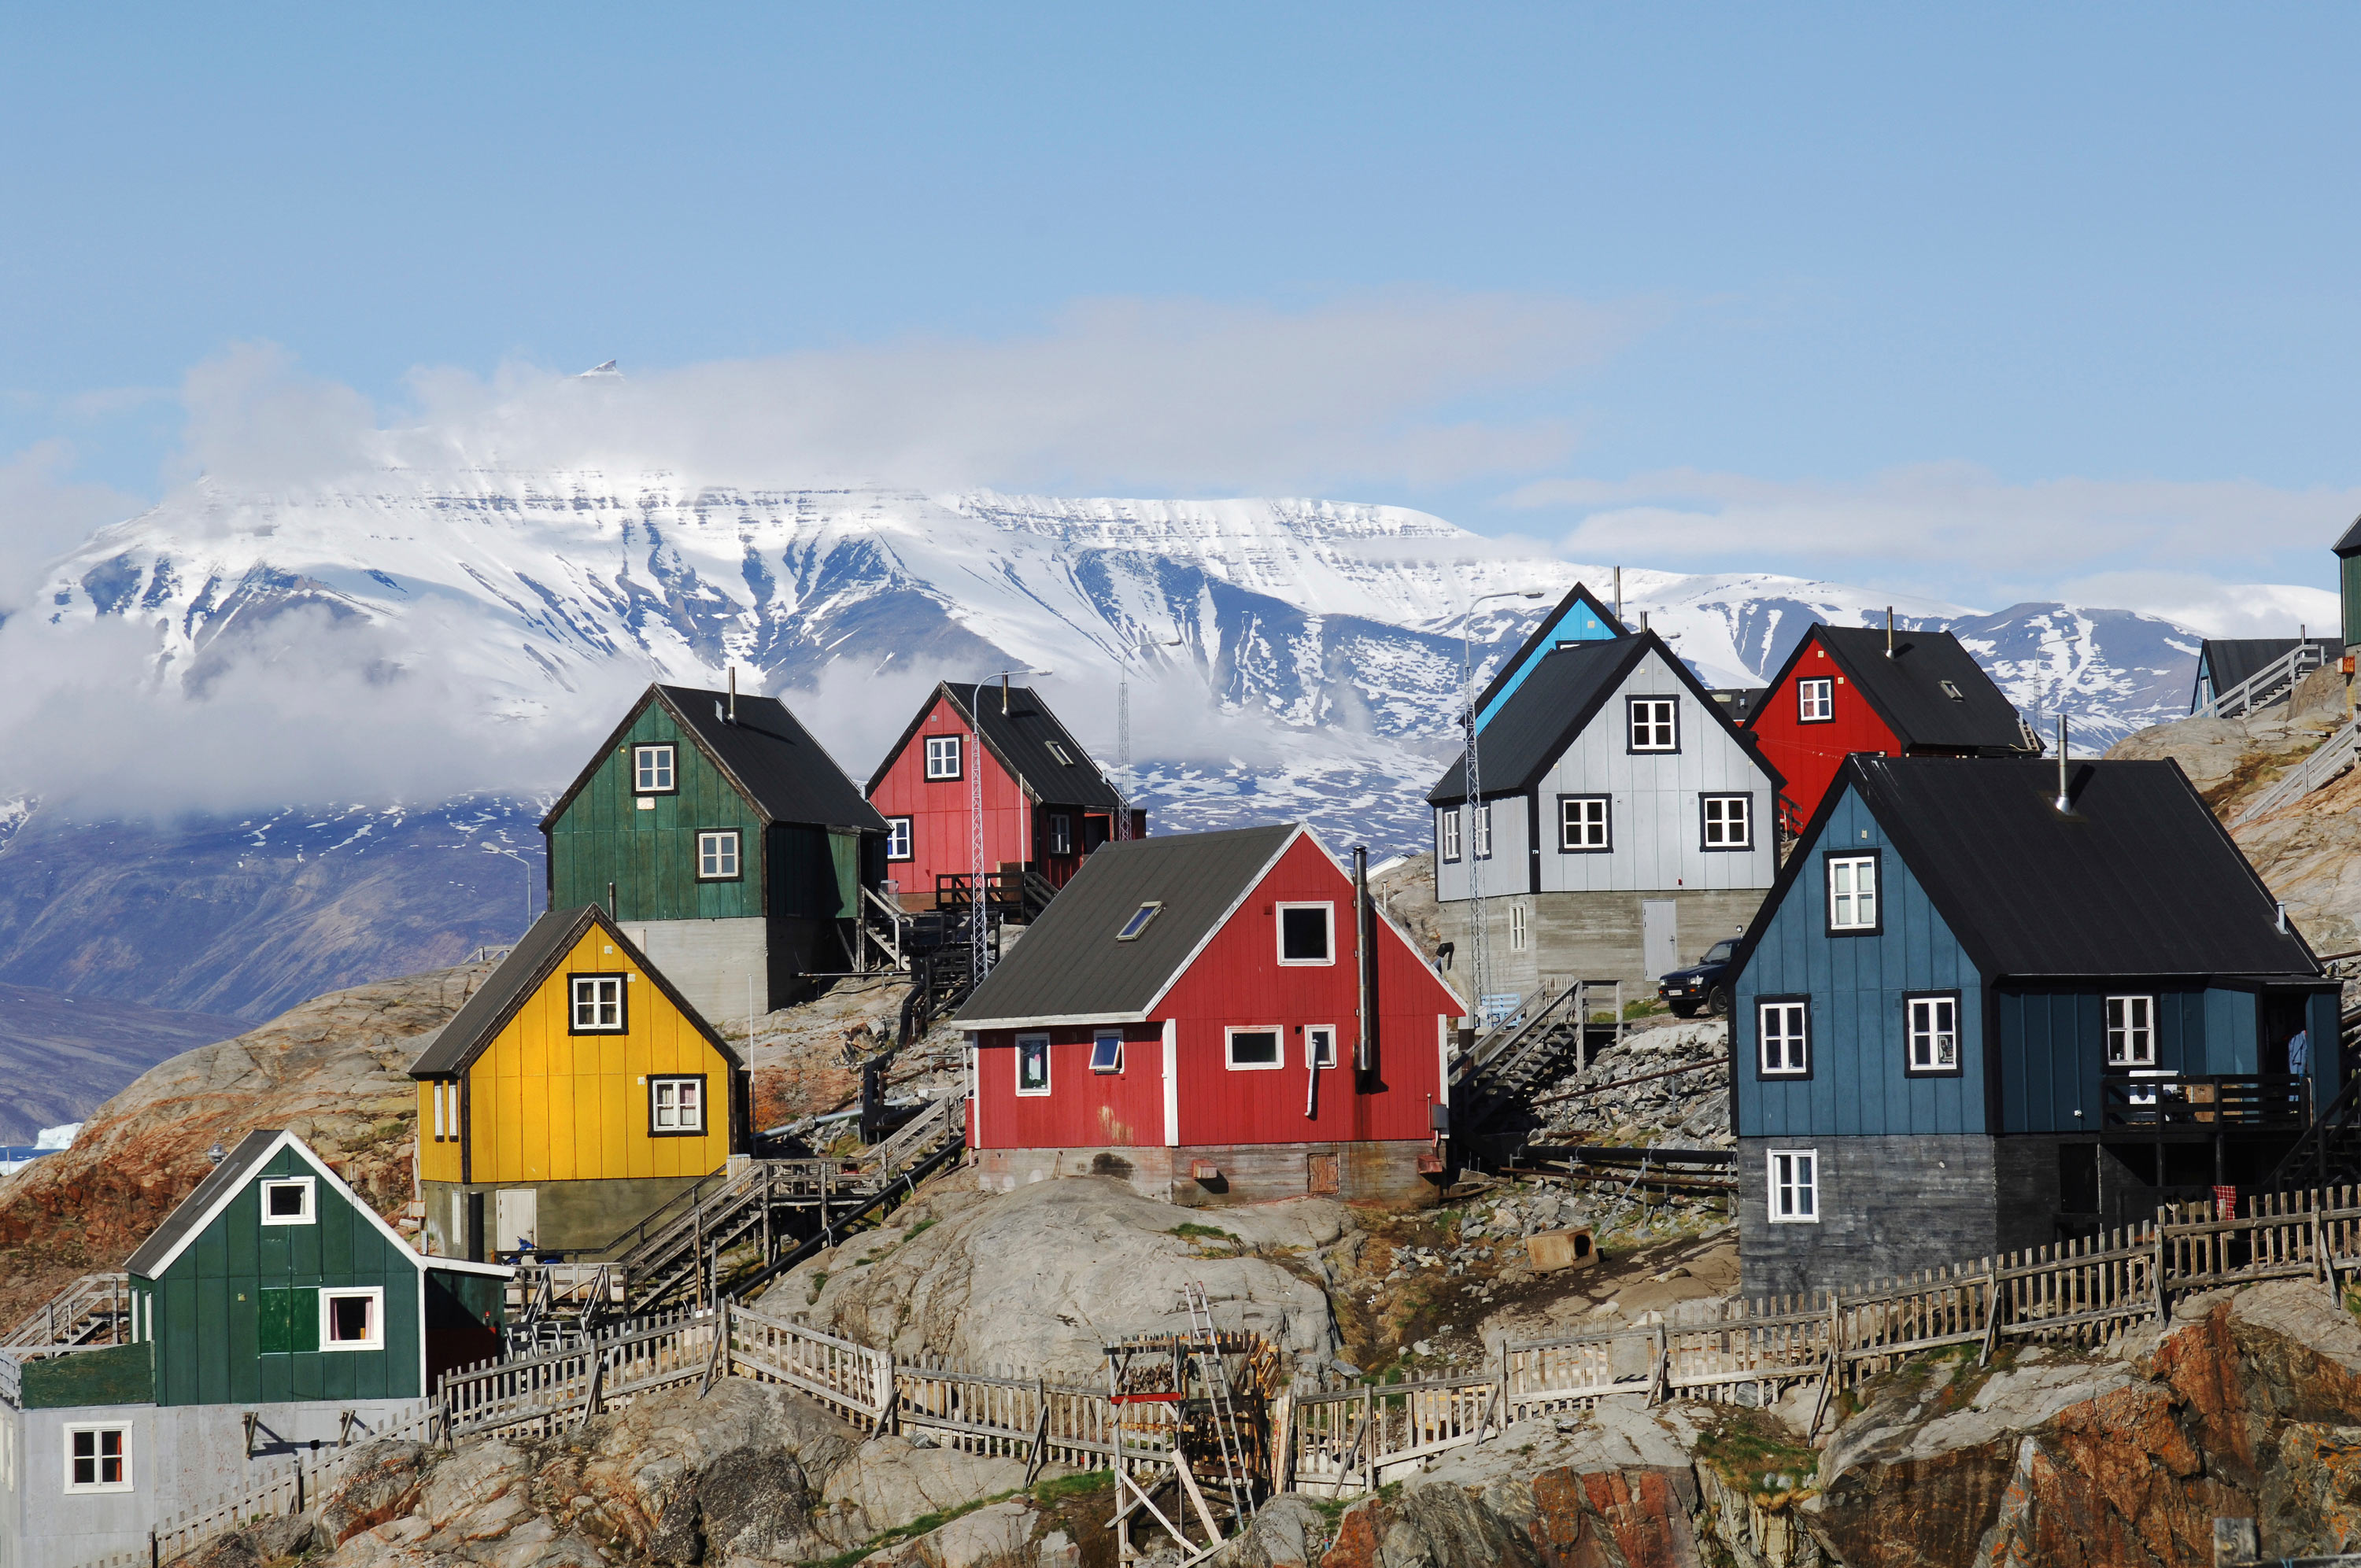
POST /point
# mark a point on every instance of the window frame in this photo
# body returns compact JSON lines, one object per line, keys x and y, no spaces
{"x":1827,"y":694}
{"x":2107,"y":1029}
{"x":330,"y":1294}
{"x":1135,"y":925}
{"x":1024,"y":1043}
{"x":128,"y":1481}
{"x":737,"y":855}
{"x":622,"y":1024}
{"x":1828,"y":860}
{"x":1910,"y":1067}
{"x":1057,"y":751}
{"x":1230,"y":1047}
{"x":704,"y":1117}
{"x":900,"y":828}
{"x":1313,"y":1055}
{"x":1632,"y":746}
{"x":1057,"y":834}
{"x":1705,"y":801}
{"x":670,"y":753}
{"x":1606,"y":825}
{"x":1327,"y":909}
{"x":1520,"y":931}
{"x":308,"y":1215}
{"x":1810,"y":1185}
{"x":958,"y":744}
{"x":1100,"y":1039}
{"x":1450,"y":839}
{"x":1762,"y":1070}
{"x":1479,"y":830}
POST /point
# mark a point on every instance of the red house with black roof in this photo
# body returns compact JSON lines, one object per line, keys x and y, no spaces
{"x":1890,"y":694}
{"x":1214,"y":1018}
{"x":1045,"y":803}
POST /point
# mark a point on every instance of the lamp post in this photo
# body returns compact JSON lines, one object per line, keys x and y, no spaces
{"x":979,"y":956}
{"x":1480,"y":956}
{"x":519,"y":859}
{"x":1123,"y":730}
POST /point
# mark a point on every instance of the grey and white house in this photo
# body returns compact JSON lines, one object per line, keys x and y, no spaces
{"x":1624,"y":827}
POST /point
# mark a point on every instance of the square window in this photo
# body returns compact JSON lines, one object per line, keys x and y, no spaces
{"x":943,"y":756}
{"x":1032,"y":1064}
{"x":1783,"y":1031}
{"x":1139,"y":921}
{"x":1306,"y":933}
{"x":287,"y":1201}
{"x":1583,"y":824}
{"x":1655,"y":724}
{"x":352,"y":1319}
{"x":1816,"y":700}
{"x":98,"y":1458}
{"x":598,"y":1004}
{"x":675,"y":1106}
{"x":897,"y":838}
{"x":1795,"y":1187}
{"x":1728,"y":821}
{"x":1933,"y":1024}
{"x":716,"y":856}
{"x":2131,"y":1031}
{"x":1060,"y":834}
{"x":1319,"y":1044}
{"x":652,"y":770}
{"x":1252,"y":1050}
{"x":1852,"y":893}
{"x":1447,"y":823}
{"x":1107,"y":1051}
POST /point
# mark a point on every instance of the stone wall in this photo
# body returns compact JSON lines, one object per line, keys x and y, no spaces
{"x":1888,"y":1206}
{"x":1591,"y":935}
{"x":1382,"y":1173}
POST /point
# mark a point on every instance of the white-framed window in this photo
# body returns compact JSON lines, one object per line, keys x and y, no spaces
{"x":1107,"y":1051}
{"x":2131,"y":1031}
{"x":1319,"y":1044}
{"x":1795,"y":1187}
{"x":1951,"y":689}
{"x":1655,"y":724}
{"x":288,"y":1200}
{"x":1584,"y":824}
{"x":1852,"y":893}
{"x":1060,"y":752}
{"x":1032,"y":1064}
{"x":1307,"y":933}
{"x":1933,"y":1024}
{"x":1728,"y":821}
{"x":352,"y":1318}
{"x":1448,"y":822}
{"x":897,"y":838}
{"x":1519,"y":935}
{"x":652,"y":770}
{"x":717,"y":855}
{"x":598,"y":1004}
{"x":98,"y":1457}
{"x":1816,"y":700}
{"x":1481,"y":817}
{"x":676,"y":1105}
{"x":443,"y":1120}
{"x":1139,"y":921}
{"x":943,"y":756}
{"x":1062,"y":834}
{"x":1783,"y":1032}
{"x":1252,"y":1050}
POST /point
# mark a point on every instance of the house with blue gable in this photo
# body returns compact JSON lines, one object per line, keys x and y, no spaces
{"x":1991,"y":1004}
{"x":1578,"y":618}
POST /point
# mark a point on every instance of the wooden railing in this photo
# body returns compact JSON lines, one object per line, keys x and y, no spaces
{"x":2239,"y":1101}
{"x":92,"y":1303}
{"x":2328,"y":759}
{"x":2266,"y":686}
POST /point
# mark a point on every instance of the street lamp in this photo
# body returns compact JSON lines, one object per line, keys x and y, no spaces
{"x":1479,"y":958}
{"x":519,"y":859}
{"x":979,"y":958}
{"x":1123,"y":729}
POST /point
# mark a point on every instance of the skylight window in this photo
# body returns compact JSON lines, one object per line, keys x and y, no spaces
{"x":1139,"y":919}
{"x":1952,"y":691}
{"x":1060,"y":752}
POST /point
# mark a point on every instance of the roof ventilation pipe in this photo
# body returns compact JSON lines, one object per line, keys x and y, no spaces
{"x":2283,"y":917}
{"x":1619,"y":594}
{"x":1889,"y":633}
{"x":733,"y":694}
{"x":2063,"y":804}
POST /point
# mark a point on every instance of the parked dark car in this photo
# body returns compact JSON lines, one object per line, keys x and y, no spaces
{"x":1705,"y":983}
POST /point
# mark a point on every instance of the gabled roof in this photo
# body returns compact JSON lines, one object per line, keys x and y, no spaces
{"x":2231,"y":660}
{"x":1564,"y":694}
{"x":224,"y":1181}
{"x":2350,"y":545}
{"x":765,"y":753}
{"x":2139,"y":880}
{"x":1907,"y":690}
{"x":529,"y":966}
{"x":1573,"y":620}
{"x":1021,"y":734}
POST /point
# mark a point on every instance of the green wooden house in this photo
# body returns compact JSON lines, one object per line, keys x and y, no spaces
{"x":726,"y":842}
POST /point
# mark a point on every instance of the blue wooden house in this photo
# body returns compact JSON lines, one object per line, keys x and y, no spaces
{"x":1974,"y":1014}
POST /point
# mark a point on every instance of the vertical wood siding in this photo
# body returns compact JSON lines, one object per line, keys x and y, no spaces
{"x":650,"y":856}
{"x":1810,"y":754}
{"x":940,"y":814}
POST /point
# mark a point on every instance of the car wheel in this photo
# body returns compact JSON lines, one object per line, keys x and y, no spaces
{"x":1684,"y":1009}
{"x":1717,"y":1001}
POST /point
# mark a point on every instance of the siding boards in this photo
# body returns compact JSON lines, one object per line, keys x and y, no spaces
{"x":650,"y":856}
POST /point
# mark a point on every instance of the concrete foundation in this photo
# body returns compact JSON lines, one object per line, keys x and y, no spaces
{"x":571,"y":1216}
{"x":1384,"y":1174}
{"x":1592,"y":935}
{"x":719,"y":965}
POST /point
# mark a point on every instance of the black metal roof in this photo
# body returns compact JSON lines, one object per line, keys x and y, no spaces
{"x":1564,"y":693}
{"x":2351,"y":543}
{"x":193,"y":1212}
{"x":786,"y":775}
{"x":2139,"y":879}
{"x":1908,"y":690}
{"x":2232,"y":660}
{"x":1027,"y":739}
{"x":528,"y":967}
{"x":1070,"y":965}
{"x":1544,"y":629}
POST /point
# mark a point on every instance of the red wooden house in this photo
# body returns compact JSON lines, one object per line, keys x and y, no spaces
{"x":1045,"y":804}
{"x":1892,"y":694}
{"x":1188,"y":1016}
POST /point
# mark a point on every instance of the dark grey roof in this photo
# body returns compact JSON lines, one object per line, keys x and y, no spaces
{"x":1564,"y":692}
{"x":1908,"y":692}
{"x":1070,"y":966}
{"x":527,"y":965}
{"x":784,"y":774}
{"x":2350,"y":545}
{"x":2232,"y":660}
{"x":191,"y":1214}
{"x":1021,"y":735}
{"x":1544,"y":629}
{"x":2140,"y":879}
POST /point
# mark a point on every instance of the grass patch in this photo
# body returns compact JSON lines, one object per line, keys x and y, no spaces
{"x":818,"y":1283}
{"x":1753,"y":1452}
{"x":1188,"y":1231}
{"x":1056,"y":1489}
{"x":1082,"y":1485}
{"x":918,"y":1229}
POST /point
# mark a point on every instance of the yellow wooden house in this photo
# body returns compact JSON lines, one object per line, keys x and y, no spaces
{"x":573,"y":1095}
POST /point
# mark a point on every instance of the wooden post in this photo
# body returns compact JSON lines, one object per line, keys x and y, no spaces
{"x":2163,"y":1301}
{"x":1992,"y":1312}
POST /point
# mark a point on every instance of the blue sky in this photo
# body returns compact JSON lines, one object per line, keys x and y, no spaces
{"x":1985,"y":303}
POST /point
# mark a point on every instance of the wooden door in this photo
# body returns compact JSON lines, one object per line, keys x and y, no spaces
{"x":1320,"y":1177}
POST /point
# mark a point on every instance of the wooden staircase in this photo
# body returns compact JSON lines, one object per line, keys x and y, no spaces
{"x":2330,"y":1150}
{"x":93,"y":1310}
{"x":1549,"y":1034}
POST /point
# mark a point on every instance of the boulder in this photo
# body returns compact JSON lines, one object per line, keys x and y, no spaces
{"x":890,"y":1481}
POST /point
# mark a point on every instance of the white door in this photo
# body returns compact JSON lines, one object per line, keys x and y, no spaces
{"x":517,"y":1223}
{"x":1660,"y":936}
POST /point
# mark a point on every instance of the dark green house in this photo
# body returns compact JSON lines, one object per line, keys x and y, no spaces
{"x":727,"y":843}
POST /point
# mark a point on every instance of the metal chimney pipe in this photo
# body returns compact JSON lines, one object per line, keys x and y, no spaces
{"x":2063,"y":804}
{"x":733,"y":694}
{"x":1619,"y":593}
{"x":1365,"y":1044}
{"x":1004,"y":697}
{"x":1889,"y":631}
{"x":2282,"y":918}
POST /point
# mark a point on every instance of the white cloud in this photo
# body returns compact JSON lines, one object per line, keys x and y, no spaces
{"x":44,"y":513}
{"x":2213,"y":608}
